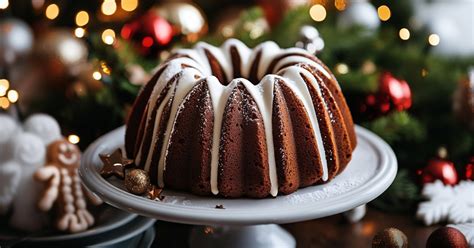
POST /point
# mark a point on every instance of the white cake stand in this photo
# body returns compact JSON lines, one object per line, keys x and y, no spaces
{"x":250,"y":222}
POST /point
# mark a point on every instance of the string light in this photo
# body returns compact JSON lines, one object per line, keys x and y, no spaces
{"x":317,"y":12}
{"x":52,"y":11}
{"x":129,"y":5}
{"x":4,"y":85}
{"x":433,"y":39}
{"x":4,"y":103}
{"x":82,"y":18}
{"x":109,"y":7}
{"x":340,"y":4}
{"x":342,"y":68}
{"x":4,"y":4}
{"x":97,"y":75}
{"x":424,"y":72}
{"x":384,"y":12}
{"x":105,"y":68}
{"x":79,"y":32}
{"x":108,"y":36}
{"x":404,"y":34}
{"x":73,"y":139}
{"x":12,"y":96}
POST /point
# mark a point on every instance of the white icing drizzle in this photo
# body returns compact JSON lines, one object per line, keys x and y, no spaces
{"x":170,"y":71}
{"x":243,"y":51}
{"x":262,"y":93}
{"x":184,"y":85}
{"x":301,"y":59}
{"x":157,"y":124}
{"x":219,"y":95}
{"x":226,"y":64}
{"x":301,"y":90}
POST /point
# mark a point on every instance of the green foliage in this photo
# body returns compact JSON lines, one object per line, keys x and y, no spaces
{"x":398,"y":127}
{"x":401,"y":196}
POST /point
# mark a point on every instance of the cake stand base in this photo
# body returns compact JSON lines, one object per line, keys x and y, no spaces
{"x":253,"y":236}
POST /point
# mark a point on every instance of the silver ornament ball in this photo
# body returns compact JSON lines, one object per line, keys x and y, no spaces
{"x":359,"y":13}
{"x":16,"y":40}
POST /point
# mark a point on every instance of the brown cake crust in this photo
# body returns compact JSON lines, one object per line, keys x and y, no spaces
{"x":243,"y":166}
{"x":194,"y":119}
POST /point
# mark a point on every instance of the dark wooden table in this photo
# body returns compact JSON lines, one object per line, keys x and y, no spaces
{"x":331,"y":231}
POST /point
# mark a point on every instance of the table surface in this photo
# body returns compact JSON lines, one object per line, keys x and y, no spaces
{"x":333,"y":231}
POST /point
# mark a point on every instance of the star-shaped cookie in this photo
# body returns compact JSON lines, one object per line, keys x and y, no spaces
{"x":114,"y":164}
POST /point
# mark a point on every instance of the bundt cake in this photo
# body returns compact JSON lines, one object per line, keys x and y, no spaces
{"x":240,"y":122}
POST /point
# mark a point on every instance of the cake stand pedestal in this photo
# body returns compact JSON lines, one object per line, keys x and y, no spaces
{"x":249,"y":222}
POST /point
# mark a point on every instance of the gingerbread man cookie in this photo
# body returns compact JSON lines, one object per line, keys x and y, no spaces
{"x":64,"y":189}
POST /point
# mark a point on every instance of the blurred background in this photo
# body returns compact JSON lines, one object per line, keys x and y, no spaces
{"x":404,"y":66}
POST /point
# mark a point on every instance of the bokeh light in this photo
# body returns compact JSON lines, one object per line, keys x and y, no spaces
{"x":317,"y":12}
{"x":52,"y":11}
{"x":384,"y":12}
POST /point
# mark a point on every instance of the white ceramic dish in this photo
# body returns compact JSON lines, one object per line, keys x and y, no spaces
{"x":369,"y":174}
{"x":109,"y":218}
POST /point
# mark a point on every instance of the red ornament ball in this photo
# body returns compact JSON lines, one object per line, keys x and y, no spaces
{"x":392,"y":94}
{"x":275,"y":10}
{"x":439,"y":169}
{"x":469,"y":170}
{"x":447,"y":237}
{"x":149,"y":33}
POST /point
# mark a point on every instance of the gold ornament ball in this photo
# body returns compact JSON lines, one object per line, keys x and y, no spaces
{"x":137,"y":181}
{"x":185,"y":17}
{"x":390,"y":238}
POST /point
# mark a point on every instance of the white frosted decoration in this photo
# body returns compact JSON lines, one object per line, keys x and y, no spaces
{"x":359,"y":13}
{"x":29,"y":151}
{"x":10,"y":172}
{"x":262,"y":94}
{"x":219,"y":96}
{"x":453,"y":204}
{"x":300,"y":89}
{"x":8,"y":128}
{"x":182,"y":88}
{"x":44,"y":126}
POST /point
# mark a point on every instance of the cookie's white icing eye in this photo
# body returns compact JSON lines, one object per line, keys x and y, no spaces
{"x":63,"y":148}
{"x":70,"y":147}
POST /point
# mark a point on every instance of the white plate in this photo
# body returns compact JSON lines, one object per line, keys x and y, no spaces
{"x":109,"y":218}
{"x":369,"y":174}
{"x":121,"y":237}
